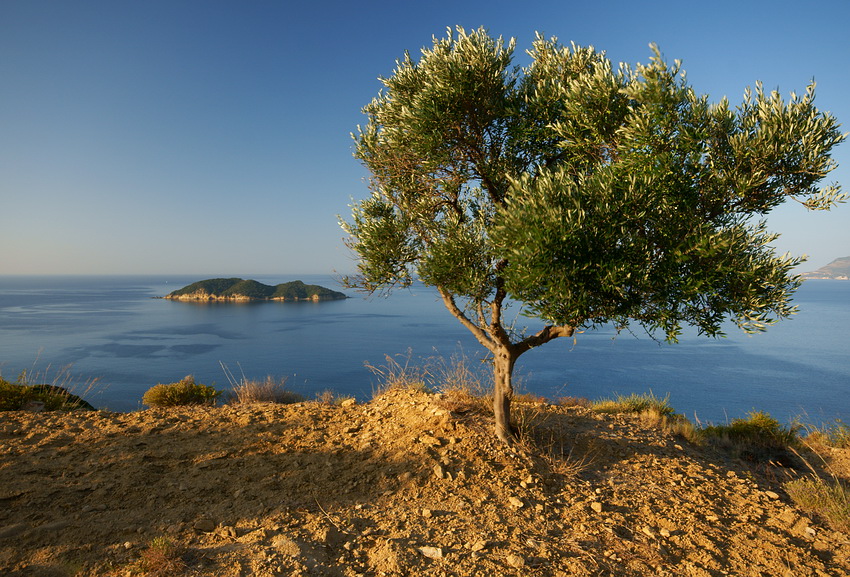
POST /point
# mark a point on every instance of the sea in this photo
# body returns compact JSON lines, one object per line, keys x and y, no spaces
{"x":109,"y":339}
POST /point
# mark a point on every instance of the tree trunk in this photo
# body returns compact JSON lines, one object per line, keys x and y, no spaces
{"x":503,"y":391}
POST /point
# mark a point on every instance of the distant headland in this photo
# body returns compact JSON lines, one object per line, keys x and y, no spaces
{"x":237,"y":289}
{"x":839,"y":269}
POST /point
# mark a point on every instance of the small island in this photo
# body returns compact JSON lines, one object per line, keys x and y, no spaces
{"x":839,"y":269}
{"x":237,"y":289}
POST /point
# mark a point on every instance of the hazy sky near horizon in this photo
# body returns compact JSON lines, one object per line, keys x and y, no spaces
{"x":213,"y":137}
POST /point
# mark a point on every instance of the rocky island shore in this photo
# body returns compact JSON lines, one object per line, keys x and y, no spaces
{"x":410,"y":483}
{"x":237,"y":289}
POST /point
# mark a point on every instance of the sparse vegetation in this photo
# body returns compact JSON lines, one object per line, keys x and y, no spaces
{"x":829,"y":499}
{"x":183,"y":392}
{"x":31,"y":392}
{"x":634,"y":403}
{"x":835,"y":435}
{"x":162,"y":558}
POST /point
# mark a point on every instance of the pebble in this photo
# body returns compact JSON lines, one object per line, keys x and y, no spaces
{"x":596,"y":506}
{"x":515,"y":561}
{"x":477,"y":545}
{"x":439,"y":472}
{"x":431,"y":552}
{"x":516,"y":502}
{"x":771,"y":495}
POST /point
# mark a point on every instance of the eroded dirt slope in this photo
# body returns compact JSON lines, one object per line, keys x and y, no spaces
{"x":399,"y":486}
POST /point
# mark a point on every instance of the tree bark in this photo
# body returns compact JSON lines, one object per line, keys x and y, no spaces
{"x":503,"y":392}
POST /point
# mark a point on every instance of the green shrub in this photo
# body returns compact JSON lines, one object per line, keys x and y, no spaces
{"x":183,"y":392}
{"x":12,"y":396}
{"x":759,"y":437}
{"x":16,"y":396}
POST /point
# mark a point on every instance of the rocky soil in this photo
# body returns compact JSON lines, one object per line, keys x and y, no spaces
{"x":408,"y":484}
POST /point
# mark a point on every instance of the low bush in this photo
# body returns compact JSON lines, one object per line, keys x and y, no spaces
{"x":759,"y":437}
{"x":183,"y":392}
{"x":20,"y":395}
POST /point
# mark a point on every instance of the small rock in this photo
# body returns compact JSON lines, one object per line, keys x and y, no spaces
{"x":350,"y":402}
{"x":712,"y":518}
{"x":477,"y":545}
{"x":596,"y":506}
{"x":427,"y":513}
{"x":648,"y":531}
{"x":128,"y":545}
{"x":431,"y":552}
{"x":439,"y":472}
{"x":430,"y":440}
{"x":664,"y":532}
{"x":771,"y":495}
{"x":204,"y":525}
{"x":515,"y":561}
{"x":516,"y":502}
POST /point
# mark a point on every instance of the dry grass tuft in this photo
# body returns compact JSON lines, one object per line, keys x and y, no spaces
{"x":835,"y":435}
{"x":634,"y":403}
{"x":270,"y":390}
{"x":162,"y":558}
{"x":828,"y":499}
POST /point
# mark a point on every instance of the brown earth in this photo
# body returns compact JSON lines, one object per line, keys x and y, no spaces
{"x":407,"y":484}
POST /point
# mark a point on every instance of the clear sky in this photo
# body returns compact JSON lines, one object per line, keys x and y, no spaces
{"x":212,"y":137}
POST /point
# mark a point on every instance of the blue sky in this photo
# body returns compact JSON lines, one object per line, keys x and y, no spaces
{"x":209,"y":137}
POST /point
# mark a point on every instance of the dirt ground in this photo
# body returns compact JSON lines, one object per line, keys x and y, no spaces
{"x":407,"y":484}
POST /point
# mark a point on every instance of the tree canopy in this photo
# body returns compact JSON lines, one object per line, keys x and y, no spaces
{"x":588,"y":193}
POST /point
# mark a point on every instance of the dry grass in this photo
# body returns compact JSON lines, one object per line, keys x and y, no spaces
{"x":162,"y":558}
{"x":835,"y":435}
{"x":634,"y":403}
{"x":270,"y":390}
{"x":829,"y":499}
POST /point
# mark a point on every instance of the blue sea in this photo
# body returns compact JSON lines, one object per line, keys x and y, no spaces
{"x":112,"y":329}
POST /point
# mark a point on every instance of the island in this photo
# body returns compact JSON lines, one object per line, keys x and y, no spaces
{"x":237,"y":289}
{"x":839,"y":269}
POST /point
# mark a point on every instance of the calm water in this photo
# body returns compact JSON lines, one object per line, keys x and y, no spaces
{"x":110,"y":328}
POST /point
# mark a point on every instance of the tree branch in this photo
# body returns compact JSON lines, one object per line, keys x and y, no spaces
{"x":548,"y":333}
{"x":476,"y":331}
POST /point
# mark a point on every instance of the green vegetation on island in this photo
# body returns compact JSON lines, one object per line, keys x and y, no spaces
{"x":839,"y":269}
{"x":251,"y":290}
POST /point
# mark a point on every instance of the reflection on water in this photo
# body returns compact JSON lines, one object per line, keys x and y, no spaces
{"x":113,"y":328}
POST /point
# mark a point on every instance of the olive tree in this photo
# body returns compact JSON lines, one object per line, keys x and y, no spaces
{"x":587,"y":194}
